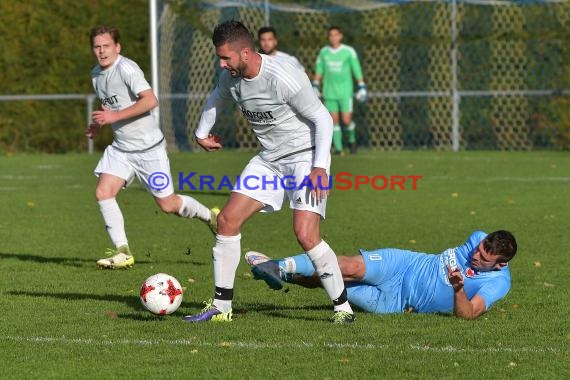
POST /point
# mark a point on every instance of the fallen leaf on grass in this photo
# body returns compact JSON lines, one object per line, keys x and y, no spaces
{"x":111,"y":314}
{"x":549,"y":285}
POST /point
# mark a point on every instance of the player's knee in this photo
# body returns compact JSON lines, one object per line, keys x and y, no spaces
{"x":307,"y":239}
{"x":347,"y":267}
{"x":227,"y":225}
{"x":351,"y":267}
{"x":103,"y":192}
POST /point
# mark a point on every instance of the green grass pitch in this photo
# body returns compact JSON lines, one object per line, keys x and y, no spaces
{"x":63,"y":318}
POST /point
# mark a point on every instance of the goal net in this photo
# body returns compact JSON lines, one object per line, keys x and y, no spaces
{"x":442,"y":75}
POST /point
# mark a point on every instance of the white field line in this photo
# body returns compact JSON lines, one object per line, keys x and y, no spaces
{"x":260,"y":346}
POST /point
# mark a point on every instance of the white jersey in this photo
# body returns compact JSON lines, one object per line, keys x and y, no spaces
{"x":288,"y":58}
{"x":277,"y":103}
{"x":117,"y":88}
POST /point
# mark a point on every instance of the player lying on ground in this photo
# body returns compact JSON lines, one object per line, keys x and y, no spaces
{"x":138,"y":147}
{"x":465,"y":280}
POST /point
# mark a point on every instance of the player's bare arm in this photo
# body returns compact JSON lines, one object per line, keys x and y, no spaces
{"x":462,"y":306}
{"x":146,"y":101}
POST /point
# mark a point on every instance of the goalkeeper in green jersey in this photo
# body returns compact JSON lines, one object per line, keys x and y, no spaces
{"x":336,"y":65}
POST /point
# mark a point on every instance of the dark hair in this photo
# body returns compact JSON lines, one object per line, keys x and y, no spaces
{"x":501,"y":243}
{"x":232,"y":31}
{"x":97,"y":31}
{"x":334,"y":27}
{"x":266,"y":29}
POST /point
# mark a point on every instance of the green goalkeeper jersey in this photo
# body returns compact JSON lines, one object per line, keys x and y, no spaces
{"x":336,"y":67}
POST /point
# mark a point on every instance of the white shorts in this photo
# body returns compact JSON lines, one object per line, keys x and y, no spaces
{"x":271,"y":183}
{"x":151,"y":167}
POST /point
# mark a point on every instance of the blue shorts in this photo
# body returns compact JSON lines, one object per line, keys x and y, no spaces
{"x":380,"y":291}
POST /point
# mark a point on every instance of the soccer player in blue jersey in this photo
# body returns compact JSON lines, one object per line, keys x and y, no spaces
{"x":466,"y":280}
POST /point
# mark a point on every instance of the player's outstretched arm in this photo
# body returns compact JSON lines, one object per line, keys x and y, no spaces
{"x":462,"y":306}
{"x":146,"y":101}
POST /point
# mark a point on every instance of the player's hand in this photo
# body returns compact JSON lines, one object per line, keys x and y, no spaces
{"x":455,"y":278}
{"x":361,"y":94}
{"x":210,"y":143}
{"x":92,"y":130}
{"x":316,"y":84}
{"x":105,"y":116}
{"x":320,"y":181}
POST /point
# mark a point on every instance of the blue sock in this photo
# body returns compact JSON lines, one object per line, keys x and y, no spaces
{"x":300,"y":264}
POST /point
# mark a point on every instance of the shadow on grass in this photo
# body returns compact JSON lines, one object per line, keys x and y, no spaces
{"x":280,"y":311}
{"x":83,"y":262}
{"x":131,"y":301}
{"x":69,"y":261}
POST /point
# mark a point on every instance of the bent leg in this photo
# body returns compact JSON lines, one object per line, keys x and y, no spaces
{"x":183,"y":206}
{"x":307,"y":228}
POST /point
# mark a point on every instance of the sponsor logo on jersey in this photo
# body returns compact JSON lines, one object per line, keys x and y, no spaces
{"x":110,"y":100}
{"x":257,"y":116}
{"x":470,"y":272}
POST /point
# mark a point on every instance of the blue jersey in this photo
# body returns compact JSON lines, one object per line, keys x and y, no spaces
{"x":426,"y":287}
{"x":397,"y":280}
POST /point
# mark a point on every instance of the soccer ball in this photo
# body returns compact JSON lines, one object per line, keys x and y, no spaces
{"x":161,"y":294}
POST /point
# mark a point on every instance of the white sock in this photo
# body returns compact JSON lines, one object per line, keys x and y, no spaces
{"x":326,"y":265}
{"x":191,"y":208}
{"x":226,"y":255}
{"x":114,"y":221}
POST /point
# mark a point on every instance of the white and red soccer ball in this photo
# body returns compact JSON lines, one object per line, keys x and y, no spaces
{"x":161,"y":294}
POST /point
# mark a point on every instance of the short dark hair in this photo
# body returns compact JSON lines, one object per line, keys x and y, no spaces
{"x":266,"y":29}
{"x":335,"y":27}
{"x":102,"y":29}
{"x":501,"y":243}
{"x":232,"y":31}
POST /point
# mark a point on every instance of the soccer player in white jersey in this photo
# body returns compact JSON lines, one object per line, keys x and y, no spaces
{"x":295,"y":133}
{"x":267,"y":37}
{"x":465,"y":280}
{"x":138,"y":147}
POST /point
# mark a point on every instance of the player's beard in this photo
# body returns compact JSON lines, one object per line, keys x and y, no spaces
{"x":237,"y":72}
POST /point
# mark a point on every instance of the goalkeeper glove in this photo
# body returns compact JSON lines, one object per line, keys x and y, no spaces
{"x":361,"y":94}
{"x":316,"y":88}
